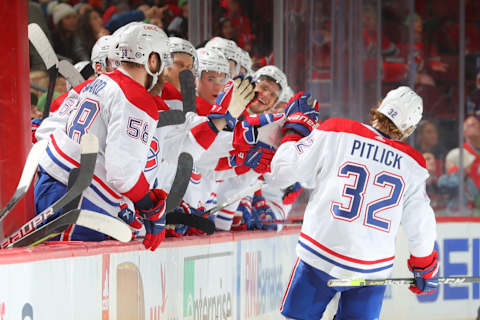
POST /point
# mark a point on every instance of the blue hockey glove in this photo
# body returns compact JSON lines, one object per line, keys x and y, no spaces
{"x":302,"y":116}
{"x":425,"y":271}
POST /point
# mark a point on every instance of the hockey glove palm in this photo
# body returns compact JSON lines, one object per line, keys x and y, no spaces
{"x":425,"y":271}
{"x":236,"y":96}
{"x":302,"y":116}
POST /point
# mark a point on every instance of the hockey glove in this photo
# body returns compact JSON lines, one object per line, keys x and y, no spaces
{"x":130,"y":218}
{"x":35,"y":124}
{"x":243,"y":212}
{"x":292,"y":193}
{"x":263,"y":212}
{"x":248,"y":151}
{"x":302,"y":116}
{"x":425,"y":271}
{"x":236,"y":96}
{"x":152,"y":209}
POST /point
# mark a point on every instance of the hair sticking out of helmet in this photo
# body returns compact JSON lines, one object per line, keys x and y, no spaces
{"x":273,"y":73}
{"x":212,"y":60}
{"x":404,"y":108}
{"x":138,"y":41}
{"x":229,"y":49}
{"x":184,"y":46}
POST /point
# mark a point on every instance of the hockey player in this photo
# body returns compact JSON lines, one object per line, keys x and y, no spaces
{"x":213,"y":73}
{"x":184,"y":56}
{"x":230,"y":50}
{"x":245,"y":63}
{"x":270,"y":85}
{"x":365,"y":182}
{"x":118,"y":108}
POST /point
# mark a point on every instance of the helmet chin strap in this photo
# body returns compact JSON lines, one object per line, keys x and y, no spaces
{"x":154,"y":75}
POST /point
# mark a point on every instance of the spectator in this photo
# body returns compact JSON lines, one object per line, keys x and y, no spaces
{"x":179,"y":25}
{"x":35,"y":15}
{"x":426,"y":140}
{"x":241,"y":22}
{"x":65,"y":40}
{"x":225,"y":29}
{"x":91,"y":28}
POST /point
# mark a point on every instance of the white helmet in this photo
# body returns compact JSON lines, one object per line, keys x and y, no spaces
{"x":273,"y":73}
{"x":137,"y":41}
{"x":245,"y":61}
{"x":286,"y":94}
{"x":184,"y":46}
{"x":404,"y":107}
{"x":100,"y":52}
{"x":229,"y":49}
{"x":212,"y":60}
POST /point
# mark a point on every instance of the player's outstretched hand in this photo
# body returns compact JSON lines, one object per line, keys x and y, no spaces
{"x":302,"y":116}
{"x":248,"y":152}
{"x":233,"y":100}
{"x":425,"y":271}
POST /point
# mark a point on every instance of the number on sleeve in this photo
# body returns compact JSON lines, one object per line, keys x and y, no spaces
{"x":83,"y":119}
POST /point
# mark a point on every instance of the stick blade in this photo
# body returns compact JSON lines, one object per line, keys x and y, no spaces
{"x":29,"y":170}
{"x":105,"y":224}
{"x":40,"y":41}
{"x":170,"y":118}
{"x":68,"y":71}
{"x":187,"y":88}
{"x":180,"y":182}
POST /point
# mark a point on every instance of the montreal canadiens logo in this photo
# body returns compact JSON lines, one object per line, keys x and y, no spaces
{"x":152,"y":159}
{"x":196,"y":176}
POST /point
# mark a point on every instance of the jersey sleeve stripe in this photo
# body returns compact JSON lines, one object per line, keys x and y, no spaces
{"x":139,"y":190}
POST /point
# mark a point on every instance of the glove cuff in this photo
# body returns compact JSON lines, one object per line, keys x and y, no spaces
{"x":423,"y":262}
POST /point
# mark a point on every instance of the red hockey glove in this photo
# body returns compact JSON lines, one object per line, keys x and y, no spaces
{"x":292,"y":193}
{"x":152,"y":209}
{"x":425,"y":271}
{"x":248,"y":151}
{"x":302,"y":115}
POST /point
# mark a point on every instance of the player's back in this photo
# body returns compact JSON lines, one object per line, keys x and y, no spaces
{"x":364,"y":182}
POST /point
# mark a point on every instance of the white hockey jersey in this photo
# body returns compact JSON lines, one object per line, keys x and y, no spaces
{"x":364,"y":186}
{"x":123,"y":115}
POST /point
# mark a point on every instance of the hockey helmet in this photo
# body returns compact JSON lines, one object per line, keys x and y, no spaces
{"x":245,"y":61}
{"x":212,"y":60}
{"x":184,"y":46}
{"x":137,"y":41}
{"x":275,"y":74}
{"x":229,"y":49}
{"x":404,"y":108}
{"x":100,"y":52}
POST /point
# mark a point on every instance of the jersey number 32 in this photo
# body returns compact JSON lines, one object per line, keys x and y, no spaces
{"x":355,"y":192}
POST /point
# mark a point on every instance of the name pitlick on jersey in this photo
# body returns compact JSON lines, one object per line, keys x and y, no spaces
{"x":376,"y":153}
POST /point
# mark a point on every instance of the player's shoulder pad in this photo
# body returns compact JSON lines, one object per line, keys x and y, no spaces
{"x":358,"y":128}
{"x":135,"y":93}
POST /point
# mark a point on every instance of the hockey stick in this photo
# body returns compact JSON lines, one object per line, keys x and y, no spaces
{"x":248,"y":191}
{"x":180,"y":182}
{"x":396,"y":281}
{"x":93,"y":220}
{"x":88,"y":157}
{"x":187,"y":87}
{"x":68,"y":71}
{"x":40,"y":41}
{"x":29,"y":170}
